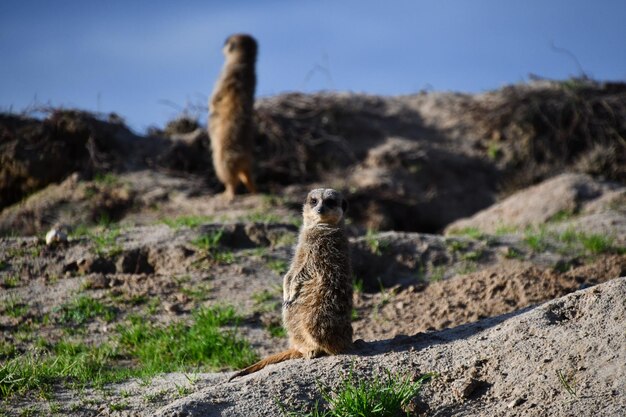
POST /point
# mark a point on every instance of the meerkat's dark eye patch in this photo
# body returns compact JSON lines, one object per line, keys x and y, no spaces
{"x":313,"y":201}
{"x":330,"y":203}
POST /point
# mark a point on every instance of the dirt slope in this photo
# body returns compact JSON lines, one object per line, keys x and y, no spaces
{"x":575,"y":194}
{"x":513,"y":361}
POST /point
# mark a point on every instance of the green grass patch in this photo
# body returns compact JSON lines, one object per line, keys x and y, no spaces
{"x":454,"y":245}
{"x":494,"y":151}
{"x":118,"y":405}
{"x":285,"y":239}
{"x":561,"y":216}
{"x":106,"y":179}
{"x":197,"y":292}
{"x":187,"y":221}
{"x":181,"y":347}
{"x":209,"y":243}
{"x":267,"y":301}
{"x":591,"y":243}
{"x":387,"y":396}
{"x":437,"y":273}
{"x":81,"y":230}
{"x":263,"y":296}
{"x":376,"y":245}
{"x":39,"y":370}
{"x":536,"y":239}
{"x":276,"y":330}
{"x":7,"y":349}
{"x":504,"y":229}
{"x":571,"y":242}
{"x":513,"y":253}
{"x":105,"y":242}
{"x":14,"y":306}
{"x":150,"y":348}
{"x":278,"y":265}
{"x":596,"y":244}
{"x":84,"y":308}
{"x":11,"y":281}
{"x":466,"y":267}
{"x":472,"y":232}
{"x":358,"y":285}
{"x":264,"y":217}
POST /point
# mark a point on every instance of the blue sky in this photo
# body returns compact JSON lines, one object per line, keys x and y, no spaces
{"x":147,"y":60}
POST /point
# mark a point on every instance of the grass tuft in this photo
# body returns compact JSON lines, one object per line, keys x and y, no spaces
{"x":105,"y":243}
{"x":472,"y":232}
{"x":278,"y":265}
{"x":187,"y":221}
{"x":107,"y":179}
{"x":209,"y":243}
{"x":180,"y":347}
{"x":264,"y":217}
{"x":376,"y":245}
{"x":14,"y":306}
{"x":358,"y":285}
{"x":536,"y":239}
{"x":388,"y":396}
{"x":276,"y":330}
{"x":596,"y":244}
{"x":11,"y":281}
{"x":569,"y":384}
{"x":39,"y":370}
{"x":84,"y":308}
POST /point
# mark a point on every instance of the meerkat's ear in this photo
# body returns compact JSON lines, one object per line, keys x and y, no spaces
{"x":344,"y":205}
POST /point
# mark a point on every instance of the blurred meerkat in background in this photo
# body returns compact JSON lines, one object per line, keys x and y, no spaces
{"x":231,"y":120}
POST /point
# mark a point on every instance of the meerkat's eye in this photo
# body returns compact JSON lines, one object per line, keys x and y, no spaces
{"x":331,"y":203}
{"x":314,"y":201}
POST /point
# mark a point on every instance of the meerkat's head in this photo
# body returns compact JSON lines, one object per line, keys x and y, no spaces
{"x":240,"y":48}
{"x":324,"y":206}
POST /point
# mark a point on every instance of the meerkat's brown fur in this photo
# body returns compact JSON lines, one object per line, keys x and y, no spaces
{"x":317,"y":289}
{"x":231,"y":124}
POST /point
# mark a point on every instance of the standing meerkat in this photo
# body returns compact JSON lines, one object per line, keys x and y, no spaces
{"x":317,"y":288}
{"x":231,"y":124}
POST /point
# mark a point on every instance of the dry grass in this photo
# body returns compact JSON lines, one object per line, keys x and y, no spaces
{"x":544,"y":127}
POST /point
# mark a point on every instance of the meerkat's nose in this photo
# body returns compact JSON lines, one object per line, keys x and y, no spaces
{"x":320,"y":209}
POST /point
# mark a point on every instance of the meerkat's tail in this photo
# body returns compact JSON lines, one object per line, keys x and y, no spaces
{"x":276,"y":358}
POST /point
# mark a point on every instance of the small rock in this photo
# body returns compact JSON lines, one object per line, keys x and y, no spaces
{"x":55,"y":236}
{"x":516,"y":402}
{"x":463,"y":388}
